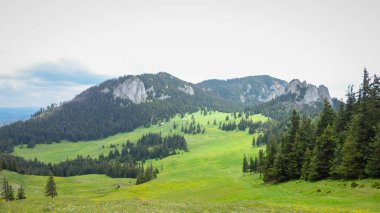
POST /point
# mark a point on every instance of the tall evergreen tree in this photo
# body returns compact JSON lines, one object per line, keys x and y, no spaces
{"x":305,"y":171}
{"x":6,"y":190}
{"x":373,"y":166}
{"x":327,"y":117}
{"x":323,"y":154}
{"x":21,"y":193}
{"x":10,"y":194}
{"x":269,"y":161}
{"x":245,"y":165}
{"x":251,"y":166}
{"x":261,"y":162}
{"x":51,"y":188}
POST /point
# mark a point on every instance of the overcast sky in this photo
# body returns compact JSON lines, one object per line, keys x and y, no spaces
{"x":85,"y":42}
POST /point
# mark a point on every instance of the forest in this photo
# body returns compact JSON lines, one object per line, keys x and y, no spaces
{"x":342,"y":144}
{"x":127,"y":164}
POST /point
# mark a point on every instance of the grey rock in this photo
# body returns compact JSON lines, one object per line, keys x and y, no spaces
{"x":187,"y":89}
{"x":311,"y":94}
{"x":163,"y":97}
{"x":324,"y":93}
{"x":293,"y":86}
{"x":105,"y":90}
{"x":132,"y":89}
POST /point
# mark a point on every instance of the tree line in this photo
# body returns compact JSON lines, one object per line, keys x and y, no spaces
{"x":124,"y":164}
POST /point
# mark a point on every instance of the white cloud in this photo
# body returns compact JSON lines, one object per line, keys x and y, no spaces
{"x":46,"y":83}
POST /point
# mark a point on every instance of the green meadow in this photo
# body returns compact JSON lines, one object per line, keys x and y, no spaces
{"x":208,"y":178}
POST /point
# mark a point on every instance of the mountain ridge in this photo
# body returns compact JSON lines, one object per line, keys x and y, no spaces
{"x":125,"y":103}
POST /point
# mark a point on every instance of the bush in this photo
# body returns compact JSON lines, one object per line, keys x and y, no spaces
{"x":318,"y":190}
{"x":354,"y":185}
{"x":376,"y":185}
{"x":361,"y":186}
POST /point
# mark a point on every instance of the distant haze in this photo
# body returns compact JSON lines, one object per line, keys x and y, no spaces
{"x":52,"y":50}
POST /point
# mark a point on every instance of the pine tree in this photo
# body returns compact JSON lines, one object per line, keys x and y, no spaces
{"x":327,"y":117}
{"x":323,"y":154}
{"x":10,"y":195}
{"x":373,"y":166}
{"x":251,"y":166}
{"x":4,"y":188}
{"x":269,"y":161}
{"x":253,"y":142}
{"x":51,"y":188}
{"x":255,"y":165}
{"x":21,"y":193}
{"x":292,"y":150}
{"x":279,"y":170}
{"x":7,"y":191}
{"x":306,"y":165}
{"x":245,"y":165}
{"x":261,"y":162}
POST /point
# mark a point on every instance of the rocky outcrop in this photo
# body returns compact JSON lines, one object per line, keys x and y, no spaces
{"x":292,"y":87}
{"x":311,"y":94}
{"x":105,"y":90}
{"x":132,"y":89}
{"x":187,"y":89}
{"x":307,"y":93}
{"x":324,"y":92}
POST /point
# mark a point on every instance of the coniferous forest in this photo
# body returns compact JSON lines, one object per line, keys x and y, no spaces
{"x":126,"y":163}
{"x":342,"y":144}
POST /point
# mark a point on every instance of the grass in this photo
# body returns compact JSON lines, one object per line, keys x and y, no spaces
{"x":208,"y":178}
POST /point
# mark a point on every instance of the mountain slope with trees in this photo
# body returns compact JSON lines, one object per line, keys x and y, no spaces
{"x":117,"y":105}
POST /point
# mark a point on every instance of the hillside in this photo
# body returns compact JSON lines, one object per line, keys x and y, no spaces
{"x":114,"y":106}
{"x":208,"y":178}
{"x":128,"y":102}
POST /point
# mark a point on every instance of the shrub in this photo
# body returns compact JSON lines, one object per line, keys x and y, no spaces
{"x":354,"y":185}
{"x":376,"y":185}
{"x":318,"y":190}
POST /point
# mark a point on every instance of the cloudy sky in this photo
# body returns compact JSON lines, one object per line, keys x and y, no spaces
{"x":52,"y":50}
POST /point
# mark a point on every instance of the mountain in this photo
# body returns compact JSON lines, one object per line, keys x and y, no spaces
{"x":116,"y":105}
{"x":12,"y":114}
{"x":263,"y":88}
{"x":123,"y":104}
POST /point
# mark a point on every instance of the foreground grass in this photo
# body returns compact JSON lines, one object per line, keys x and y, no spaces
{"x":208,"y":178}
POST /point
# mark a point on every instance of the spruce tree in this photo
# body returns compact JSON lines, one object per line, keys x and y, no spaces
{"x":7,"y":191}
{"x":279,"y":171}
{"x":4,"y":188}
{"x":373,"y":166}
{"x":21,"y":193}
{"x":327,"y":117}
{"x":51,"y":188}
{"x":323,"y":154}
{"x":269,"y":161}
{"x":306,"y":165}
{"x":245,"y":165}
{"x":10,"y":194}
{"x":261,"y":162}
{"x":251,"y":166}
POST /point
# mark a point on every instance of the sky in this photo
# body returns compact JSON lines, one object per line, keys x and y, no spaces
{"x":52,"y":50}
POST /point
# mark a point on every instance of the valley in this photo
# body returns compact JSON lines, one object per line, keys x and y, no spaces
{"x":207,"y":178}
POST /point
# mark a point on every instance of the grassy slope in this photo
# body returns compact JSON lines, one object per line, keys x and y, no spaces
{"x":208,"y":177}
